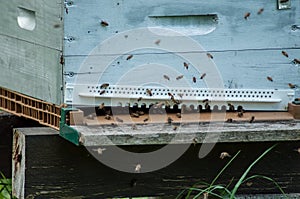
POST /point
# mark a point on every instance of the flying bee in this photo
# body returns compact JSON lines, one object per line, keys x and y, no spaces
{"x":139,"y":99}
{"x":203,"y":75}
{"x":285,"y":54}
{"x":104,"y":23}
{"x":104,"y":86}
{"x":179,"y":77}
{"x":138,"y":168}
{"x":167,"y":77}
{"x":180,"y":95}
{"x":252,"y":119}
{"x":102,"y":92}
{"x":296,"y":61}
{"x":157,"y":42}
{"x":260,"y":11}
{"x":129,"y":57}
{"x":194,"y":79}
{"x":186,"y":65}
{"x":149,"y":92}
{"x":99,"y":150}
{"x":209,"y":55}
{"x":247,"y":15}
{"x":119,"y":120}
{"x":224,"y":155}
{"x":101,"y":106}
{"x":270,"y":79}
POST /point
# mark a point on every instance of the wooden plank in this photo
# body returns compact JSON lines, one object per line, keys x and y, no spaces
{"x":56,"y":168}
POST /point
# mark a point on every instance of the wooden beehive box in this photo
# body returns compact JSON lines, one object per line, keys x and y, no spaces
{"x":62,"y":51}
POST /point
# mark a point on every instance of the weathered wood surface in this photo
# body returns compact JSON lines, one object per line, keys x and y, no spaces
{"x":7,"y":123}
{"x":30,"y":60}
{"x":53,"y":167}
{"x":164,"y":133}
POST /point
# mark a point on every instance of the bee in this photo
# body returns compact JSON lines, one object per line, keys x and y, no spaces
{"x":231,"y":107}
{"x":139,"y":99}
{"x":67,"y":11}
{"x":180,"y":95}
{"x":102,"y":92}
{"x":129,"y":57}
{"x":203,"y":75}
{"x":135,"y":115}
{"x":99,"y":150}
{"x":146,"y":119}
{"x":167,"y":77}
{"x":174,"y":128}
{"x":62,"y":61}
{"x":140,"y":112}
{"x":205,"y":100}
{"x":283,"y":1}
{"x":186,"y":65}
{"x":178,"y":115}
{"x":119,"y":120}
{"x":104,"y":86}
{"x":159,"y":105}
{"x":260,"y":11}
{"x":107,"y":117}
{"x":247,"y":15}
{"x":138,"y":168}
{"x":229,"y":120}
{"x":179,"y":77}
{"x":252,"y":119}
{"x":149,"y":92}
{"x":194,"y":79}
{"x":292,"y":85}
{"x":270,"y":79}
{"x":285,"y":54}
{"x":207,"y":106}
{"x":171,"y":95}
{"x":224,"y":155}
{"x":209,"y":55}
{"x":104,"y":23}
{"x":240,"y":114}
{"x":195,"y":141}
{"x":101,"y":106}
{"x":296,"y":61}
{"x":169,"y":120}
{"x":157,"y":42}
{"x":297,"y":150}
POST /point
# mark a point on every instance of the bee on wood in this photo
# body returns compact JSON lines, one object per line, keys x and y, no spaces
{"x":178,"y":115}
{"x":231,"y":107}
{"x":107,"y":117}
{"x":169,"y":120}
{"x":203,"y":75}
{"x":174,"y":128}
{"x":167,"y":77}
{"x":102,"y":92}
{"x":179,"y":77}
{"x":247,"y":15}
{"x":209,"y":55}
{"x":252,"y":119}
{"x":260,"y":11}
{"x":194,"y":79}
{"x":104,"y":23}
{"x":186,"y":65}
{"x":146,"y":119}
{"x":229,"y":120}
{"x":240,"y":114}
{"x":157,"y":42}
{"x":292,"y":86}
{"x":149,"y":92}
{"x":285,"y":54}
{"x":101,"y":106}
{"x":138,"y":168}
{"x":129,"y":57}
{"x":139,"y":99}
{"x":224,"y":155}
{"x":270,"y":79}
{"x":119,"y":120}
{"x":207,"y":106}
{"x":104,"y":86}
{"x":296,"y":61}
{"x":136,"y":115}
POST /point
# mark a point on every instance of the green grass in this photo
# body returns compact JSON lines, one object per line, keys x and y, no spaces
{"x":5,"y":187}
{"x":221,"y":191}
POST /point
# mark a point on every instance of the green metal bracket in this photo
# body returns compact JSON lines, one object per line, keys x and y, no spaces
{"x":65,"y":130}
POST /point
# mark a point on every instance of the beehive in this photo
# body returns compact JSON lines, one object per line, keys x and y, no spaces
{"x":63,"y":51}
